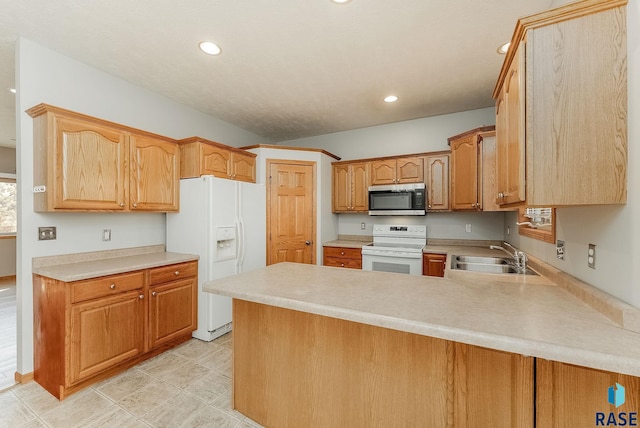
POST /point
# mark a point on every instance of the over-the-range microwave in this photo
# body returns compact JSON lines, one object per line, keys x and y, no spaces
{"x":398,"y":199}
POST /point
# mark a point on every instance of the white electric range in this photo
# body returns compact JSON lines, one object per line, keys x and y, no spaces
{"x":395,"y":248}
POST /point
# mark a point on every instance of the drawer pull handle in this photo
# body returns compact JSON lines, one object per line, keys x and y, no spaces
{"x":112,"y":286}
{"x":342,"y":253}
{"x":341,"y":264}
{"x":176,"y":273}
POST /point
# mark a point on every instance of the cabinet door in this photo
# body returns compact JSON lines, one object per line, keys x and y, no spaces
{"x":341,"y":188}
{"x":383,"y":172}
{"x":215,"y":161}
{"x":172,"y":310}
{"x":409,"y":170}
{"x":433,"y":264}
{"x":464,"y":173}
{"x":89,"y":170}
{"x":437,"y":181}
{"x":360,"y":187}
{"x":514,"y":98}
{"x":155,"y":174}
{"x":243,"y":167}
{"x":105,"y":332}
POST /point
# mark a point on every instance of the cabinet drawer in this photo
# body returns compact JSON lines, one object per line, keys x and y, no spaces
{"x":105,"y":286}
{"x":346,"y":263}
{"x":172,"y":272}
{"x":343,"y":253}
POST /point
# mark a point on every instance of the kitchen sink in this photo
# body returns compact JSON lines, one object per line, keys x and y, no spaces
{"x":499,"y":265}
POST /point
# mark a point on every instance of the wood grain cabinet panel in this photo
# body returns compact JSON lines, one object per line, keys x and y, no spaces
{"x":397,"y":170}
{"x":466,"y":167}
{"x":203,"y":157}
{"x":86,"y":331}
{"x":104,"y":333}
{"x":82,"y":163}
{"x":350,"y":187}
{"x":434,"y":264}
{"x":561,"y":109}
{"x":155,"y":174}
{"x":437,"y":182}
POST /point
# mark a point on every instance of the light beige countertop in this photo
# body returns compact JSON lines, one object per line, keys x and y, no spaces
{"x":76,"y":267}
{"x":346,"y":243}
{"x":532,"y":317}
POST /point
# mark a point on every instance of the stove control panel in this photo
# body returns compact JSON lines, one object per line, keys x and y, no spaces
{"x":417,"y":231}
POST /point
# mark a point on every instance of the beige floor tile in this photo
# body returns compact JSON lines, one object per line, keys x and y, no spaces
{"x":210,"y":387}
{"x":180,"y":375}
{"x":188,"y":411}
{"x":124,"y":384}
{"x":115,"y":417}
{"x":77,"y":409}
{"x":14,"y":412}
{"x":149,"y":397}
{"x":219,"y":361}
{"x":196,"y":350}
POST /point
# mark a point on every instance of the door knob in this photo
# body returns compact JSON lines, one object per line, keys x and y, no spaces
{"x":307,"y":242}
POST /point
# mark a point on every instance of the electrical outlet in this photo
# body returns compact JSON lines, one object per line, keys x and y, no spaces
{"x":591,"y":256}
{"x":46,"y":233}
{"x":467,"y":227}
{"x":106,"y":234}
{"x":560,"y":249}
{"x":363,"y":225}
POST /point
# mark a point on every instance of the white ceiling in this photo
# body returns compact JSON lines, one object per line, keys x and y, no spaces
{"x":289,"y":68}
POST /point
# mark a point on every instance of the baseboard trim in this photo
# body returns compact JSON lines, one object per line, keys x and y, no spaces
{"x":23,"y":378}
{"x":8,"y":278}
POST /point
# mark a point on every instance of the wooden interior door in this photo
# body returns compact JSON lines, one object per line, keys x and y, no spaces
{"x":291,"y":211}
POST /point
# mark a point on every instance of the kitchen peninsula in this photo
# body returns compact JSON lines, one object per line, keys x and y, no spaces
{"x":323,"y":346}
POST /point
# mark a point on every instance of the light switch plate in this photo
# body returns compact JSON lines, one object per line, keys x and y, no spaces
{"x":560,"y":249}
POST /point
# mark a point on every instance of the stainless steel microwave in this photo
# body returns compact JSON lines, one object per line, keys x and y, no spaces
{"x":398,"y":199}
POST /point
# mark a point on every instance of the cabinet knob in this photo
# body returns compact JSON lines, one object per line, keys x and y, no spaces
{"x":122,"y":204}
{"x":141,"y":296}
{"x":112,"y":286}
{"x":341,"y":264}
{"x":501,"y":195}
{"x":135,"y":205}
{"x":342,"y":253}
{"x":153,"y":293}
{"x":176,"y":273}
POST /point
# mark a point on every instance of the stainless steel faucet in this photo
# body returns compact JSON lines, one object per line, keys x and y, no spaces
{"x":519,"y":257}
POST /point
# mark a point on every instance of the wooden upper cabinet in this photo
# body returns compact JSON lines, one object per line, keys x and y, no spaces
{"x":575,"y":105}
{"x":510,"y":136}
{"x":397,"y":171}
{"x":155,"y":179}
{"x":86,"y":164}
{"x":204,"y":157}
{"x":466,"y":164}
{"x":350,"y":187}
{"x":437,"y":181}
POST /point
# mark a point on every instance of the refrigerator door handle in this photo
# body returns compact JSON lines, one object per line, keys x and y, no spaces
{"x":240,"y":259}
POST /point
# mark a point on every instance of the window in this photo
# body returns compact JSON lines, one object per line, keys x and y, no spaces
{"x":8,"y":214}
{"x":538,"y":223}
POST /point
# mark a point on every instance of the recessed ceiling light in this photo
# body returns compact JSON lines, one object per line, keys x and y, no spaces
{"x":210,"y":48}
{"x":390,"y":99}
{"x":504,"y":48}
{"x":12,"y":90}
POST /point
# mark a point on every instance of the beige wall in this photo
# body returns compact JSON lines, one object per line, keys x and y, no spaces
{"x":8,"y":160}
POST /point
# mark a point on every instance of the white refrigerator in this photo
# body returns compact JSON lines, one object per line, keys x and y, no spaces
{"x":224,"y":222}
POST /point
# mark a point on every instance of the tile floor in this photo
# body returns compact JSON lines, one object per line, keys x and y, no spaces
{"x":188,"y":386}
{"x":8,"y":338}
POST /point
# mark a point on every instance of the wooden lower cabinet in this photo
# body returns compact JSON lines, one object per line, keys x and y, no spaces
{"x":342,"y":257}
{"x":433,"y":264}
{"x":105,"y":332}
{"x":343,"y":373}
{"x":574,"y":396}
{"x":86,"y":331}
